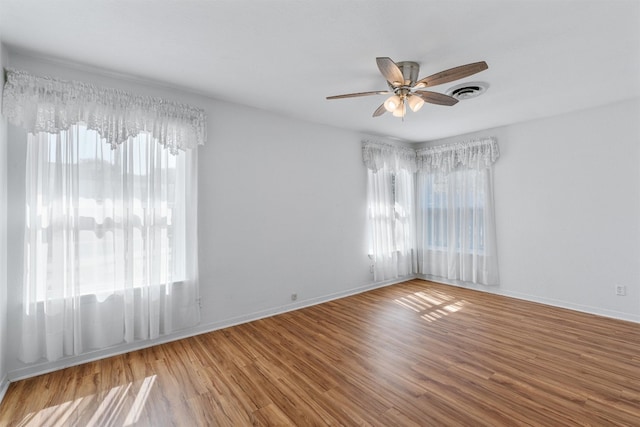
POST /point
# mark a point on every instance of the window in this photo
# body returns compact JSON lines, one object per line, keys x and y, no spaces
{"x":109,"y":252}
{"x":391,"y":210}
{"x":111,"y":216}
{"x":446,"y":200}
{"x":110,"y":247}
{"x":455,"y":215}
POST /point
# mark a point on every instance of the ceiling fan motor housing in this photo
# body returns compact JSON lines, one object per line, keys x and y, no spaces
{"x":410,"y":71}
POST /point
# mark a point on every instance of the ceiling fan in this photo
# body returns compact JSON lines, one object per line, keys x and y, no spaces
{"x":405,"y":88}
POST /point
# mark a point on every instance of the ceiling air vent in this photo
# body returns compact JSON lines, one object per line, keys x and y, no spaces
{"x":467,"y":90}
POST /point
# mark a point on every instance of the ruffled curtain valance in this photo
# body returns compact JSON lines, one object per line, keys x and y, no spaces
{"x":476,"y":154}
{"x":377,"y":155}
{"x":45,"y":104}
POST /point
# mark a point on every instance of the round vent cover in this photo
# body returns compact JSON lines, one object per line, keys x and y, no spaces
{"x":467,"y":90}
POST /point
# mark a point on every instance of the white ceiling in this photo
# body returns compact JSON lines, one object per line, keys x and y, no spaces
{"x":545,"y":57}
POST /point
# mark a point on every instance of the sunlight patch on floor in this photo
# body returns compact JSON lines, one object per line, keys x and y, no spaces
{"x":141,"y":400}
{"x":432,"y":305}
{"x":52,"y":416}
{"x":108,"y":410}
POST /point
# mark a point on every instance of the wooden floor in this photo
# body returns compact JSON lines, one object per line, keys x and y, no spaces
{"x":413,"y":354}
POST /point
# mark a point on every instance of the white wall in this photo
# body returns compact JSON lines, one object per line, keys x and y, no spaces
{"x":282,"y":209}
{"x":3,"y":242}
{"x":567,"y":192}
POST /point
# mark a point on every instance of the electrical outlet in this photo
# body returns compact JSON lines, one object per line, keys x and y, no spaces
{"x":294,"y":297}
{"x":621,"y":290}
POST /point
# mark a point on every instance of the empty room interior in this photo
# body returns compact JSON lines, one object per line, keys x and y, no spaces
{"x":279,"y":212}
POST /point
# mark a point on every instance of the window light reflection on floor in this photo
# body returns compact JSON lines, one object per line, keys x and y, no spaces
{"x":141,"y":400}
{"x":110,"y":408}
{"x":432,"y":305}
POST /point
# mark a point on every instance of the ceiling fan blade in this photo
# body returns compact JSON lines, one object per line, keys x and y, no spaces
{"x":379,"y":111}
{"x":390,"y":71}
{"x":353,"y":95}
{"x":452,"y":74}
{"x":436,"y":98}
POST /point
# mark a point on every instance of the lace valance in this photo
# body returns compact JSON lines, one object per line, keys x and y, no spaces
{"x":476,"y":154}
{"x":377,"y":155}
{"x":45,"y":104}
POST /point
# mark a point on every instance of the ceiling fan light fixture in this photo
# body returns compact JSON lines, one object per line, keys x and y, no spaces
{"x":415,"y":103}
{"x":392,"y":103}
{"x":400,"y":111}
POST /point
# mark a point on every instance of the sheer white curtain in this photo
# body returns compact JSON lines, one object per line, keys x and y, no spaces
{"x":390,"y":203}
{"x":455,"y":204}
{"x":110,"y":248}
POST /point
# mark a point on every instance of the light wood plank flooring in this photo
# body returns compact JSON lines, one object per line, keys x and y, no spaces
{"x":413,"y":354}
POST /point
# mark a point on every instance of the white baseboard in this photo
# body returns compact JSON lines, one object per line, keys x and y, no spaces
{"x":576,"y":307}
{"x":4,"y":386}
{"x":534,"y":298}
{"x":209,"y":327}
{"x":46,"y":367}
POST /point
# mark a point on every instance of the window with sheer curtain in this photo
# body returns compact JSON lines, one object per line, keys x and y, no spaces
{"x":455,"y":214}
{"x":110,"y":248}
{"x":445,"y":228}
{"x":390,"y":205}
